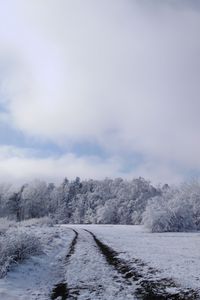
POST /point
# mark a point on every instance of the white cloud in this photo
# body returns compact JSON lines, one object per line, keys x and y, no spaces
{"x":20,"y":165}
{"x":122,"y":73}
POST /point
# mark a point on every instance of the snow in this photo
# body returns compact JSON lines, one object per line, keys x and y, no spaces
{"x":175,"y":255}
{"x":34,"y":278}
{"x":87,"y":274}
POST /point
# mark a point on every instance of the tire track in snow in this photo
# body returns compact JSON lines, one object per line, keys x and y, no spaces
{"x":90,"y":277}
{"x":147,"y":287}
{"x":72,"y":246}
{"x":61,"y":289}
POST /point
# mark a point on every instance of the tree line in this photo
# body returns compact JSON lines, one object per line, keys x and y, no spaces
{"x":108,"y":201}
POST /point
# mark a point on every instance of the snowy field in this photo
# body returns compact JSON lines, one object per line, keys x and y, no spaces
{"x":106,"y":262}
{"x":176,"y":255}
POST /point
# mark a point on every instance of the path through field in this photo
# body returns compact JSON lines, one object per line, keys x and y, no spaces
{"x":80,"y":264}
{"x":95,"y":271}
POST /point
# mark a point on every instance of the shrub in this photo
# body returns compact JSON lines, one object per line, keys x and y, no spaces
{"x":15,"y":246}
{"x":5,"y":224}
{"x":45,"y":221}
{"x":175,"y":210}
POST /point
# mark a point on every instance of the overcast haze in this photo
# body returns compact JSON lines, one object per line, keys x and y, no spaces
{"x":99,"y":88}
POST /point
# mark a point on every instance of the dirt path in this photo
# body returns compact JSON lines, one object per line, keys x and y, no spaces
{"x":89,"y":276}
{"x":95,"y":271}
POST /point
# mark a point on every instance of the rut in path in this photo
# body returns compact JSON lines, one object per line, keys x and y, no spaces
{"x":90,"y":277}
{"x":72,"y":246}
{"x":61,"y":289}
{"x":148,"y":289}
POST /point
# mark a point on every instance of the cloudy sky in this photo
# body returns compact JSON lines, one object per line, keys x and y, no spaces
{"x":99,"y":88}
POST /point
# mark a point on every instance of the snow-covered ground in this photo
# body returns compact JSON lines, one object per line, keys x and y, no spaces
{"x":35,"y":277}
{"x":176,"y":255}
{"x":89,"y":276}
{"x":85,"y":266}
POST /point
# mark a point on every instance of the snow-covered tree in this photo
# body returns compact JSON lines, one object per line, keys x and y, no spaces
{"x":34,"y":199}
{"x":176,"y":209}
{"x":15,"y":205}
